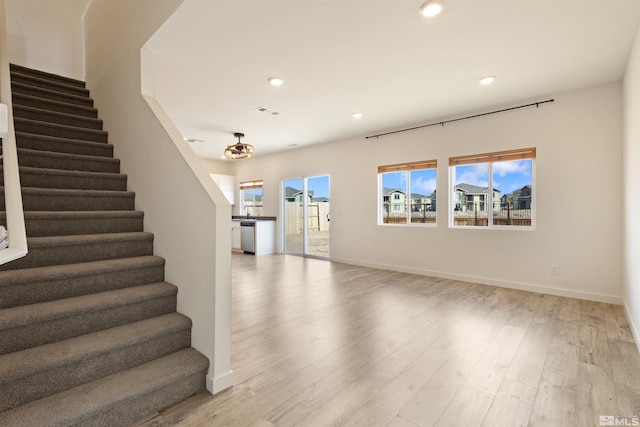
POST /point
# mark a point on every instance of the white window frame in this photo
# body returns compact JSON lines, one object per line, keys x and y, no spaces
{"x":489,"y":199}
{"x":407,"y":168}
{"x":250,"y":185}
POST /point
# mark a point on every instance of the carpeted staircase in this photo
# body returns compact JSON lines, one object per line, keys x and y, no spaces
{"x":89,"y":333}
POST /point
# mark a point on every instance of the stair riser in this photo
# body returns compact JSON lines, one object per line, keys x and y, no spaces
{"x":69,"y":287}
{"x":38,"y":160}
{"x":47,"y":129}
{"x":57,"y":330}
{"x":25,"y":390}
{"x":52,"y":117}
{"x":53,"y":95}
{"x":50,"y":85}
{"x":40,"y":202}
{"x":134,"y":410}
{"x":120,"y":399}
{"x":61,"y":107}
{"x":44,"y":256}
{"x":17,"y":69}
{"x":43,"y":143}
{"x":73,"y":183}
{"x":71,"y":227}
{"x":38,"y":180}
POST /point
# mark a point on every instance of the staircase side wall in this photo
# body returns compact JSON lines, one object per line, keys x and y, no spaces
{"x":183,"y":207}
{"x":630,"y":201}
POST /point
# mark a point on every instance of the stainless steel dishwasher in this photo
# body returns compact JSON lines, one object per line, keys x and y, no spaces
{"x":248,"y":236}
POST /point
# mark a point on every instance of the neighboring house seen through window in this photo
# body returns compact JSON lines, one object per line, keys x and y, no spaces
{"x":251,"y":198}
{"x":407,"y":193}
{"x":511,"y":200}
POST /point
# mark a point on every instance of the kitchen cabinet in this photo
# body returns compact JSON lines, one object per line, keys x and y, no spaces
{"x":236,"y":240}
{"x":226,"y":184}
{"x":265,"y":237}
{"x":259,"y":235}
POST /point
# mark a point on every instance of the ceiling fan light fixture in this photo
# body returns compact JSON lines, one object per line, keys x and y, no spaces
{"x":239,"y":150}
{"x":431,"y":8}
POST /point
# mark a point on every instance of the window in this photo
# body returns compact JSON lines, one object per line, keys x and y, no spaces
{"x":407,"y":193}
{"x":251,"y":198}
{"x":510,"y":202}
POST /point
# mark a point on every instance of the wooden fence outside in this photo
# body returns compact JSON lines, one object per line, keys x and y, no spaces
{"x":318,"y":217}
{"x":515,"y":217}
{"x":424,"y":217}
{"x":521,"y":217}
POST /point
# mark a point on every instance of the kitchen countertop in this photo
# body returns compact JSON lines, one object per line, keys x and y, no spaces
{"x":256,"y":218}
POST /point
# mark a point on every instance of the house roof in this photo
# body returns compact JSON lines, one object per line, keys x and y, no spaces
{"x":419,"y":196}
{"x":518,"y":191}
{"x":472,"y":189}
{"x":386,"y":191}
{"x":292,"y":192}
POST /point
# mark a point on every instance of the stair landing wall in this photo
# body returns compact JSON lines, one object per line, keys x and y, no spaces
{"x":180,"y":201}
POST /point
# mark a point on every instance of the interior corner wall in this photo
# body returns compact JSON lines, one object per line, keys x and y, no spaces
{"x":47,"y":35}
{"x":179,"y":208}
{"x":631,"y":197}
{"x":579,"y":179}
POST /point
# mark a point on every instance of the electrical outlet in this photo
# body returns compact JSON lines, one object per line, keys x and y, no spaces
{"x":554,"y":270}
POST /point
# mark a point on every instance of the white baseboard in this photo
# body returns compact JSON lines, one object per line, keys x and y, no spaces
{"x":632,"y":326}
{"x":220,"y":383}
{"x":610,"y":299}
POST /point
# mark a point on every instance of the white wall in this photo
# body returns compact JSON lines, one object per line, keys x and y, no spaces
{"x":47,"y":35}
{"x":579,"y":189}
{"x":631,"y":205}
{"x":183,"y":207}
{"x":218,"y":166}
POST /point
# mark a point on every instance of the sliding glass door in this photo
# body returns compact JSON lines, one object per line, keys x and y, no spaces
{"x":318,"y":217}
{"x":293,"y":214}
{"x":306,"y":204}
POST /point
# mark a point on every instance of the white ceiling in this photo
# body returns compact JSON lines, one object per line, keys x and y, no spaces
{"x":377,"y":57}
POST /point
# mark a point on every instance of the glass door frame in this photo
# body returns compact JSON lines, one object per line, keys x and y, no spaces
{"x":305,"y":213}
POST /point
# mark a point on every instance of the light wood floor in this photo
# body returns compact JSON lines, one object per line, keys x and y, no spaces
{"x":317,"y":343}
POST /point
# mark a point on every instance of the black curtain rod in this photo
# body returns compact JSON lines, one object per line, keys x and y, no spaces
{"x":537,"y":104}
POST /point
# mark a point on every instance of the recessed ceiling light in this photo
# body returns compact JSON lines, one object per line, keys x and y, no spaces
{"x":356,"y":115}
{"x":276,"y":81}
{"x":487,"y":80}
{"x":431,"y":8}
